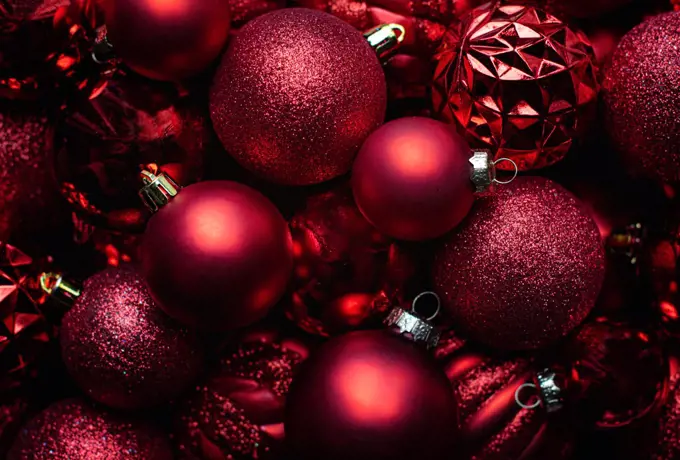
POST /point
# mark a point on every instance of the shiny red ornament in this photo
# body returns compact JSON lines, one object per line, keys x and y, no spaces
{"x":518,"y":81}
{"x":105,"y":136}
{"x":642,"y":98}
{"x":578,"y":9}
{"x":296,"y":94}
{"x":71,"y":429}
{"x":367,"y":395}
{"x":121,"y":349}
{"x":238,"y":411}
{"x":169,"y":40}
{"x":524,"y":269}
{"x":411,"y":179}
{"x":346,"y":274}
{"x":219,"y":255}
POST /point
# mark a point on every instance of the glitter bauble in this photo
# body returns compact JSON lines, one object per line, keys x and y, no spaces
{"x":667,"y":443}
{"x":121,"y":349}
{"x":642,"y":98}
{"x":346,"y":274}
{"x":524,"y":268}
{"x":518,"y":81}
{"x":219,"y":255}
{"x":105,"y":137}
{"x":367,"y":395}
{"x":238,"y":411}
{"x":72,"y":430}
{"x":493,"y":425}
{"x":411,"y":179}
{"x":167,"y":40}
{"x":244,"y":11}
{"x":296,"y":94}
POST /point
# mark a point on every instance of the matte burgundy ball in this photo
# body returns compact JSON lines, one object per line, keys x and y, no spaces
{"x":296,"y":94}
{"x":218,"y":256}
{"x":370,"y":395}
{"x":524,"y":269}
{"x":411,"y":179}
{"x":167,"y":40}
{"x":121,"y":349}
{"x":72,"y":430}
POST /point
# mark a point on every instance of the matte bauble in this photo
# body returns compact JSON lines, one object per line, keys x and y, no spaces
{"x":72,"y":430}
{"x":296,"y":94}
{"x":167,"y":40}
{"x":411,"y":179}
{"x":219,"y":255}
{"x":642,"y":98}
{"x":238,"y":411}
{"x":517,"y":81}
{"x":368,"y":395}
{"x":121,"y":349}
{"x":525,"y":267}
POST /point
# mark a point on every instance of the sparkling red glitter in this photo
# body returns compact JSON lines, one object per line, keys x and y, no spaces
{"x":642,"y":97}
{"x":296,"y":94}
{"x":70,"y":429}
{"x":524,"y":268}
{"x":122,"y":349}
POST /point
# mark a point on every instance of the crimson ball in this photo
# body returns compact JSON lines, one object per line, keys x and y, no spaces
{"x":167,"y":40}
{"x":370,"y":395}
{"x":218,"y":256}
{"x":411,"y":179}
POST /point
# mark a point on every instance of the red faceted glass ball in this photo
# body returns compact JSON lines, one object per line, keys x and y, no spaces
{"x":218,"y":256}
{"x":411,"y":179}
{"x":368,"y":395}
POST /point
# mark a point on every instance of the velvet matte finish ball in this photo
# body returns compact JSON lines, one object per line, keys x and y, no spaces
{"x":411,"y":179}
{"x":524,"y":268}
{"x":121,"y":349}
{"x":296,"y":94}
{"x":218,"y":256}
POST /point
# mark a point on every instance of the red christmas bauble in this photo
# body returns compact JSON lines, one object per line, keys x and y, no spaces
{"x":167,"y":40}
{"x":121,"y":349}
{"x":411,"y":179}
{"x":296,"y":94}
{"x":244,"y":11}
{"x":218,"y":256}
{"x":524,"y":269}
{"x":517,"y":81}
{"x":346,"y":274}
{"x":104,"y":138}
{"x":368,"y":395}
{"x":578,"y":9}
{"x":71,"y":429}
{"x":238,"y":411}
{"x":667,"y":443}
{"x":642,"y":98}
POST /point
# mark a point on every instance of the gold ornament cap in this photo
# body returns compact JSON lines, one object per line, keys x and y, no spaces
{"x":57,"y":288}
{"x":159,"y":189}
{"x":414,"y":326}
{"x":385,"y":39}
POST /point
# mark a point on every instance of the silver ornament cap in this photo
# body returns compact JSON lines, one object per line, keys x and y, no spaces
{"x":414,"y":326}
{"x":483,"y":174}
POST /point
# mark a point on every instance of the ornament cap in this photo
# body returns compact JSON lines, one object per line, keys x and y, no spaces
{"x":413,"y":325}
{"x":158,"y":189}
{"x":550,"y":394}
{"x":385,"y":39}
{"x":627,"y":241}
{"x":102,"y":50}
{"x":63,"y":291}
{"x":483,"y":174}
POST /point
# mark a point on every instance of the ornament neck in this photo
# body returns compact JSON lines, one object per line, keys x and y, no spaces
{"x":627,"y":241}
{"x":102,"y":50}
{"x":550,"y":394}
{"x":483,"y":174}
{"x":414,"y":325}
{"x":158,"y":190}
{"x":385,"y":39}
{"x":55,"y":286}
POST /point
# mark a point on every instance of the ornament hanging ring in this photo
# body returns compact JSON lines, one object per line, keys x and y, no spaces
{"x":519,"y":389}
{"x":504,"y":182}
{"x":423,"y":296}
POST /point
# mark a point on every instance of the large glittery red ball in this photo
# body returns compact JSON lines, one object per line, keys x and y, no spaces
{"x":72,"y":430}
{"x":296,"y":94}
{"x":218,"y":256}
{"x":667,"y":443}
{"x":518,"y":81}
{"x":642,"y":98}
{"x":525,"y":267}
{"x":238,"y":411}
{"x":368,"y":395}
{"x":411,"y":179}
{"x":167,"y":40}
{"x":121,"y":349}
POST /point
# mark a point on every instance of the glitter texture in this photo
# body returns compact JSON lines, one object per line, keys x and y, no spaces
{"x":238,"y":412}
{"x":121,"y":349}
{"x":296,"y":94}
{"x":71,"y":430}
{"x":243,"y":11}
{"x":524,"y":268}
{"x":642,"y":98}
{"x":668,"y":445}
